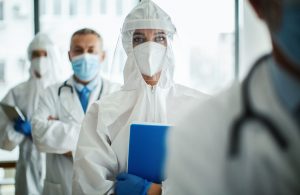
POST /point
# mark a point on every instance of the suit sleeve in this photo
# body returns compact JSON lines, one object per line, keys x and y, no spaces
{"x":95,"y":164}
{"x":53,"y":136}
{"x":9,"y":138}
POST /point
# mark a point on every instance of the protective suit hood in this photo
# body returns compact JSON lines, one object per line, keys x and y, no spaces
{"x":43,"y":42}
{"x":147,"y":15}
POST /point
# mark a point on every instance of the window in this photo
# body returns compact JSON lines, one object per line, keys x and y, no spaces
{"x":1,"y":10}
{"x":2,"y":70}
{"x":89,"y":7}
{"x":107,"y":23}
{"x":73,"y":7}
{"x":57,"y":7}
{"x":16,"y":33}
{"x":254,"y":39}
{"x":205,"y":29}
{"x":15,"y":37}
{"x":103,"y":6}
{"x":119,"y":7}
{"x":43,"y":7}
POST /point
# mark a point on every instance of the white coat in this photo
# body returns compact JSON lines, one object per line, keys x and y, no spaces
{"x":30,"y":170}
{"x":56,"y":137}
{"x":199,"y":162}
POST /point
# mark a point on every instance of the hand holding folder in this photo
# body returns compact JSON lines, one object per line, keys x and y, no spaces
{"x":12,"y":112}
{"x":147,"y":151}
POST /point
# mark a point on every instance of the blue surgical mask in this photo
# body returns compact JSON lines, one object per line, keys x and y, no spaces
{"x":288,"y":35}
{"x":86,"y":66}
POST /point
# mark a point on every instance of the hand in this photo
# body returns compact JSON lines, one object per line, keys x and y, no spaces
{"x":68,"y":154}
{"x":131,"y":184}
{"x":52,"y":118}
{"x":23,"y":127}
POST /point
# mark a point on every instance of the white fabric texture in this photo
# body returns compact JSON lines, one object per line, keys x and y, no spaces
{"x":147,"y":15}
{"x":149,"y":57}
{"x":30,"y":171}
{"x":102,"y":148}
{"x":57,"y":137}
{"x":198,"y":162}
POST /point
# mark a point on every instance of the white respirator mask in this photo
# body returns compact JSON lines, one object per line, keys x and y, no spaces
{"x":40,"y":65}
{"x":149,"y":57}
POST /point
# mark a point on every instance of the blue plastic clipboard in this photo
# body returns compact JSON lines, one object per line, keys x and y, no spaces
{"x":147,"y":151}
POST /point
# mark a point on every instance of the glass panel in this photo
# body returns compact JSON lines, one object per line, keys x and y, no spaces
{"x":42,"y":7}
{"x":1,"y":10}
{"x":119,"y":7}
{"x":57,"y":7}
{"x":254,"y":38}
{"x":103,"y":20}
{"x":73,"y":7}
{"x":16,"y":29}
{"x":89,"y":7}
{"x":205,"y":30}
{"x":103,"y":6}
{"x":2,"y":71}
{"x":16,"y":32}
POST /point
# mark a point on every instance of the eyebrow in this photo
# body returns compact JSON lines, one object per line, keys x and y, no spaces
{"x":77,"y":47}
{"x":157,"y":33}
{"x":160,"y":33}
{"x":138,"y":33}
{"x":80,"y":47}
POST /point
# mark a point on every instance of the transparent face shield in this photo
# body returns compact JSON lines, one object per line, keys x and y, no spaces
{"x":146,"y":54}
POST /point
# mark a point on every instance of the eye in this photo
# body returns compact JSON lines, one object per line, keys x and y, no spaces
{"x":160,"y":39}
{"x":138,"y":40}
{"x":34,"y":55}
{"x":78,"y":50}
{"x":91,"y":50}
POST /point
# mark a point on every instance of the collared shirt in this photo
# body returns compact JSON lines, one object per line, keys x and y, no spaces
{"x":287,"y":87}
{"x":91,"y":85}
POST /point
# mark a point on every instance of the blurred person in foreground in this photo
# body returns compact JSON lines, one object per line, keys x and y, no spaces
{"x":246,"y":140}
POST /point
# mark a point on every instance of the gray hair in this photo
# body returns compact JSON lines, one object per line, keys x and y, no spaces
{"x":88,"y":31}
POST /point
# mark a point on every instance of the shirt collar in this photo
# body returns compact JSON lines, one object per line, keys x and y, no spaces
{"x":91,"y":85}
{"x":286,"y":86}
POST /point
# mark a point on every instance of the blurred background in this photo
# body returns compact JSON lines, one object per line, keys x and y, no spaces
{"x":218,"y":41}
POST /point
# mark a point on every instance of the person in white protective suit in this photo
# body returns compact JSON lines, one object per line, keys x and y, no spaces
{"x":44,"y":68}
{"x":149,"y":94}
{"x":56,"y":123}
{"x":246,"y":140}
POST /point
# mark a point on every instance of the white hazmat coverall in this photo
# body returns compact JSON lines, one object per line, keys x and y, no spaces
{"x":102,"y":149}
{"x":30,"y":171}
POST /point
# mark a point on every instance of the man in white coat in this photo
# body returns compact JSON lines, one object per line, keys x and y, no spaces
{"x":149,"y":94}
{"x":56,"y":123}
{"x":246,"y":140}
{"x":45,"y":62}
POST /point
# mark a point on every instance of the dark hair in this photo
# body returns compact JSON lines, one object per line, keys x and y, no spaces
{"x":87,"y":31}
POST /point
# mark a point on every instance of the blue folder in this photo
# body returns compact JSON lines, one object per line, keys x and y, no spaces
{"x":147,"y":151}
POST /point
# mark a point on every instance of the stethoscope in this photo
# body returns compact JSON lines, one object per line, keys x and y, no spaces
{"x":249,"y":114}
{"x":65,"y":84}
